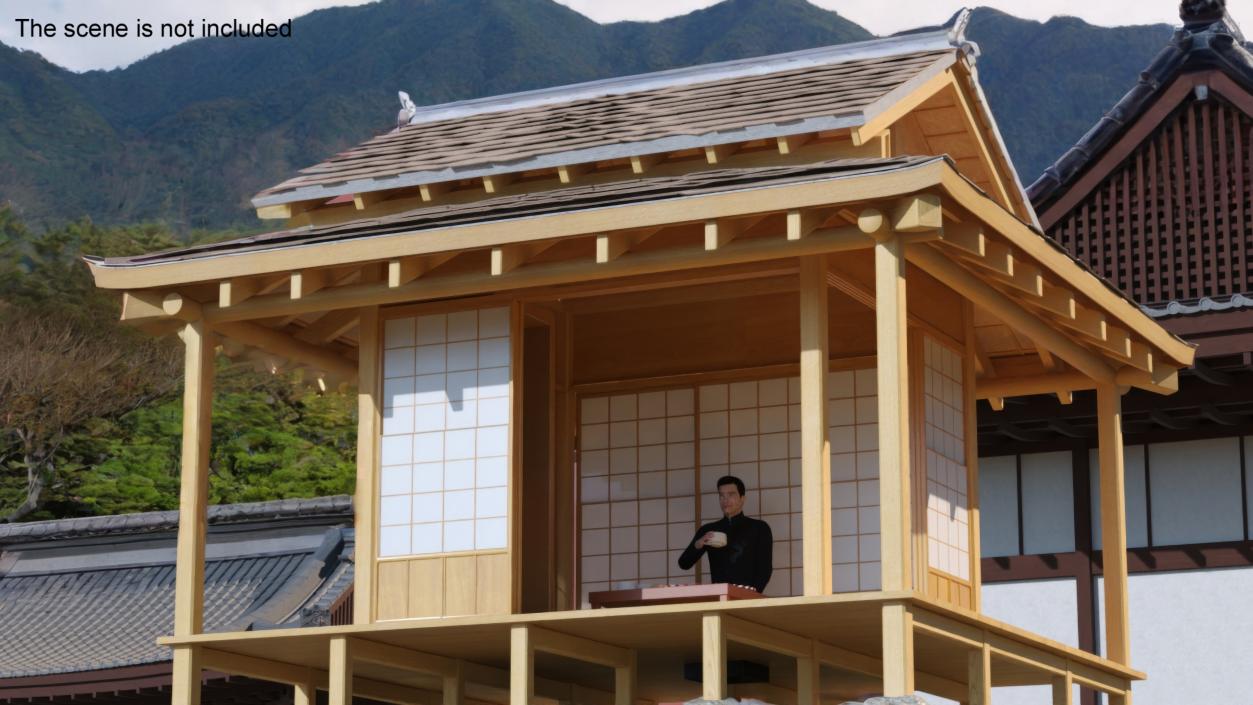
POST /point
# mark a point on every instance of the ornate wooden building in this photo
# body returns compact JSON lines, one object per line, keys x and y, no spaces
{"x":568,"y":312}
{"x":1157,"y":199}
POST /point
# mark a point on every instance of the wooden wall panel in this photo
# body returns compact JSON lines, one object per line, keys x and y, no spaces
{"x":460,"y":585}
{"x":493,"y":591}
{"x":444,"y":586}
{"x":728,"y":334}
{"x":393,"y":590}
{"x":426,"y":587}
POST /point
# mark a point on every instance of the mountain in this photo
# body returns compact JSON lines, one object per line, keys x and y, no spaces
{"x":189,"y":134}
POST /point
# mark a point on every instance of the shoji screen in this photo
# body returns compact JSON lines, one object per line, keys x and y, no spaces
{"x":691,"y":436}
{"x":948,"y":524}
{"x":444,"y":456}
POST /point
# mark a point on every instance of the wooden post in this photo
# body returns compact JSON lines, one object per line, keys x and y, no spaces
{"x":185,"y":682}
{"x":892,"y":362}
{"x":339,"y":665}
{"x":1113,"y":523}
{"x":305,"y":694}
{"x":815,"y":451}
{"x":971,"y":425}
{"x":898,"y":650}
{"x":368,"y":425}
{"x":980,"y":670}
{"x":713,"y":657}
{"x":454,"y":686}
{"x":1063,"y":689}
{"x":624,"y":680}
{"x":521,"y":666}
{"x":808,"y":677}
{"x":192,"y":508}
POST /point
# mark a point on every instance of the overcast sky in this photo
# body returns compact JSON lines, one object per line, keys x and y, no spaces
{"x":879,"y":16}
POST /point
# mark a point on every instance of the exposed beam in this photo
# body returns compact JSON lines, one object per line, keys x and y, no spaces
{"x":495,"y":183}
{"x":611,"y":246}
{"x":234,"y":291}
{"x":362,"y":201}
{"x":567,"y":173}
{"x":508,"y":258}
{"x":800,"y":223}
{"x":788,"y":144}
{"x":255,"y":667}
{"x":1010,"y":312}
{"x":643,"y":163}
{"x":430,"y":192}
{"x":718,"y":154}
{"x":916,"y":214}
{"x":329,"y":327}
{"x":402,"y":658}
{"x":307,"y":282}
{"x":284,"y":346}
{"x":841,"y":239}
{"x":765,"y":637}
{"x":720,"y":233}
{"x":403,"y":270}
{"x":181,"y":307}
{"x":579,"y":648}
{"x":967,"y":237}
{"x":139,"y":307}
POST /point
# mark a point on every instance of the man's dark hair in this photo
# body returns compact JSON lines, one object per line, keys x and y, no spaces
{"x":732,"y":480}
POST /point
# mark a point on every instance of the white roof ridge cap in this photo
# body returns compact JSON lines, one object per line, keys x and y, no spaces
{"x":690,"y":75}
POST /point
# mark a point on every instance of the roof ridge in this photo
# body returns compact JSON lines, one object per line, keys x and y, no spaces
{"x":945,"y":38}
{"x":148,"y":522}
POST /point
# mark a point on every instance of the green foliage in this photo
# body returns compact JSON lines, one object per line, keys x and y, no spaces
{"x":273,"y":436}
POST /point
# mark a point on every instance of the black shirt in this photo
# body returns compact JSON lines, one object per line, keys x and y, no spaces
{"x":745,"y":560}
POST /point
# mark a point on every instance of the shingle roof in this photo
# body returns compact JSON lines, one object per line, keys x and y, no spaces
{"x":1209,"y":39}
{"x":818,"y":89}
{"x":79,"y":595}
{"x":523,"y":205}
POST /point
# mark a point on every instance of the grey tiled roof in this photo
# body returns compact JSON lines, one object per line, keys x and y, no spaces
{"x":142,"y":522}
{"x":87,"y":594}
{"x":765,"y":97}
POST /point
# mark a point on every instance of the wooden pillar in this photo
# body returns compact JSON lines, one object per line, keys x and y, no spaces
{"x":1113,"y":523}
{"x":898,"y":650}
{"x":521,"y":666}
{"x":305,"y":694}
{"x":454,"y":686}
{"x":368,"y":425}
{"x":713,"y":657}
{"x":808,"y":678}
{"x":339,"y":665}
{"x":193,"y":508}
{"x":624,"y":680}
{"x":893,"y":377}
{"x":1063,"y":689}
{"x":185,"y":676}
{"x":980,"y":676}
{"x":815,"y":451}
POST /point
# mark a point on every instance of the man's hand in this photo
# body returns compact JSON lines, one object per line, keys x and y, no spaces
{"x":700,"y":542}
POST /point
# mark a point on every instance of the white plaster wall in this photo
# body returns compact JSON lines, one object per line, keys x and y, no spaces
{"x":1046,"y":607}
{"x":998,"y":506}
{"x":1048,"y":503}
{"x":1195,"y":488}
{"x":1191,"y":633}
{"x":1133,"y":487}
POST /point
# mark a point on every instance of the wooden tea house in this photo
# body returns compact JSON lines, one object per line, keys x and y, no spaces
{"x":568,"y":312}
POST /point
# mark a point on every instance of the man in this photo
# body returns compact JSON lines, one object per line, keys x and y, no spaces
{"x":746,"y":557}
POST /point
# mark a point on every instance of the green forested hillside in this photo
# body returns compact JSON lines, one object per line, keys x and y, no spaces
{"x":90,"y":411}
{"x":188,"y":135}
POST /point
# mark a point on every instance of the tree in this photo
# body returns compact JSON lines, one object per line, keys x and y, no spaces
{"x":56,"y":374}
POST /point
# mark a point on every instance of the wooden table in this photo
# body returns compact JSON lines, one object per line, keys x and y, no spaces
{"x":671,"y":594}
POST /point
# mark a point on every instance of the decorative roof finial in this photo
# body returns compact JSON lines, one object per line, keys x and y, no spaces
{"x":1202,"y":12}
